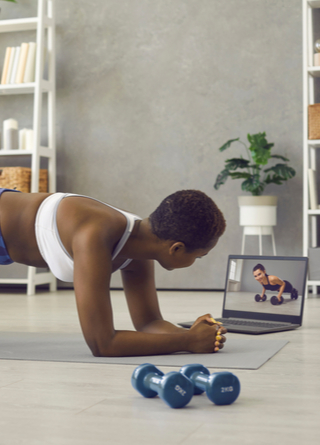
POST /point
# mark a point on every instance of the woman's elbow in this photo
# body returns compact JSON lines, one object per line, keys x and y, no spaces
{"x":102,"y":348}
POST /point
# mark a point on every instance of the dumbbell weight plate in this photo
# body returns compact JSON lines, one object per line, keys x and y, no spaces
{"x":274,"y":300}
{"x":173,"y":388}
{"x":138,"y":376}
{"x":177,"y":389}
{"x":224,"y":388}
{"x":257,"y":298}
{"x":264,"y":298}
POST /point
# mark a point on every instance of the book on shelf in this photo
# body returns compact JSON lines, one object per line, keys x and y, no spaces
{"x":5,"y":65}
{"x":22,"y":62}
{"x":29,"y":73}
{"x":19,"y":64}
{"x":313,"y":192}
{"x":15,"y":65}
{"x":10,"y":66}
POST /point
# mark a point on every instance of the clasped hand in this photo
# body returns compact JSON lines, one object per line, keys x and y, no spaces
{"x":208,"y":335}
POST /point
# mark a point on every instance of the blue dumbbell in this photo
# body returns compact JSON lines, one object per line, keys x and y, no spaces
{"x":174,"y":388}
{"x":222,"y":388}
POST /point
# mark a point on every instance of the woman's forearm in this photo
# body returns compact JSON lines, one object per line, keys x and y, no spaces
{"x":132,"y":343}
{"x":162,"y":327}
{"x":164,"y":338}
{"x":281,"y":290}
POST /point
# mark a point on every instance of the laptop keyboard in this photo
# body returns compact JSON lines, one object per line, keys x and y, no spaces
{"x":261,"y":324}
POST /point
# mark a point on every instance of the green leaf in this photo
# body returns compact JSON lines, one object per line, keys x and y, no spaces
{"x":260,"y":155}
{"x":280,"y":157}
{"x":255,"y":166}
{"x":257,"y":139}
{"x":260,"y":148}
{"x":282,"y":171}
{"x":227,"y":144}
{"x":274,"y":180}
{"x":238,"y":175}
{"x":221,"y":178}
{"x":234,"y":163}
{"x":13,"y":1}
{"x":253,"y":185}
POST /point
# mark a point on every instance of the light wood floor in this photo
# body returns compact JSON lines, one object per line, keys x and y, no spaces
{"x":244,"y":301}
{"x":81,"y":404}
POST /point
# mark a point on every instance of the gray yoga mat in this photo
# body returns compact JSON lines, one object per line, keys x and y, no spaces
{"x":246,"y":353}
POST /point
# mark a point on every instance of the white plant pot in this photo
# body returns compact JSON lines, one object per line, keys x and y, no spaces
{"x":258,"y":210}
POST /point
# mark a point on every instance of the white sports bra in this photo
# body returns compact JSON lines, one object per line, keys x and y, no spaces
{"x":49,"y":242}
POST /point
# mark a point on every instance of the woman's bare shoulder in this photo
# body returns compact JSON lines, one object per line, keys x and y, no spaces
{"x":274,"y":279}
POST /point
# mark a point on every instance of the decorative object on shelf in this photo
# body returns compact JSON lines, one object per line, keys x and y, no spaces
{"x":258,"y":153}
{"x":14,"y":139}
{"x":316,"y":59}
{"x":258,"y":214}
{"x":314,"y":263}
{"x":314,"y":121}
{"x":19,"y":178}
{"x":22,"y":139}
{"x":10,"y":134}
{"x":19,"y":64}
{"x":313,"y":192}
{"x":26,"y":139}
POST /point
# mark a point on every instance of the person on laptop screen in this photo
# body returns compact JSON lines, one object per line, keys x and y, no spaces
{"x":273,"y":283}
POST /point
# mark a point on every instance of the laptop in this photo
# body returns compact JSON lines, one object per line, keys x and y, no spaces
{"x":244,"y":311}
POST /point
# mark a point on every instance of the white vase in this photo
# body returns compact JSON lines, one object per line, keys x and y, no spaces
{"x":258,"y":210}
{"x":258,"y":215}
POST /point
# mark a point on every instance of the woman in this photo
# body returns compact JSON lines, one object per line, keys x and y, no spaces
{"x":271,"y":282}
{"x":85,"y":240}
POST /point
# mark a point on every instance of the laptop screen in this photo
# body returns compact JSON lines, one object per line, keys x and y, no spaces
{"x":251,"y":277}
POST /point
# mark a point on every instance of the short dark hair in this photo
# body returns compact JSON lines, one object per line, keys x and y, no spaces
{"x":258,"y":266}
{"x":188,"y":216}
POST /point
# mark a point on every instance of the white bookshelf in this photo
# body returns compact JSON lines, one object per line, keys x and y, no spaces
{"x":310,"y":147}
{"x":25,"y":88}
{"x":42,"y":24}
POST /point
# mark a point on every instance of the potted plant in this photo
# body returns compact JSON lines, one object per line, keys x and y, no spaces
{"x":255,"y":210}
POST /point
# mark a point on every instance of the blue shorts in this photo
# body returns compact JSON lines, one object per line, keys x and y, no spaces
{"x":4,"y":256}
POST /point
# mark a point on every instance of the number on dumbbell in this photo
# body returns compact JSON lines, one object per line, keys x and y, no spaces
{"x":174,"y":388}
{"x":222,"y":388}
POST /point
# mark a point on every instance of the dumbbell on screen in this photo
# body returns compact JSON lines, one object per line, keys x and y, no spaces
{"x":174,"y":388}
{"x":222,"y":388}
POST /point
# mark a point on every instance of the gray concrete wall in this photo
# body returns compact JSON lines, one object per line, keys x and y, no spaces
{"x":147,"y":91}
